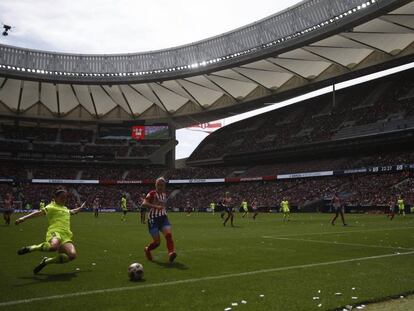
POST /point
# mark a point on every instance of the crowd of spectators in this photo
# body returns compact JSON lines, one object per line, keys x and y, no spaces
{"x":134,"y":172}
{"x":315,"y":120}
{"x":364,"y":190}
{"x":32,"y":142}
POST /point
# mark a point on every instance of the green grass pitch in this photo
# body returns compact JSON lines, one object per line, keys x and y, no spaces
{"x":289,"y":263}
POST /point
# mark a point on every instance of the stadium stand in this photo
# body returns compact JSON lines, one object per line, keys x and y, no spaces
{"x":376,"y":107}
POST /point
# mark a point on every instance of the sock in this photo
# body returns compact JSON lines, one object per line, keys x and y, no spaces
{"x":153,"y":245}
{"x":61,"y":258}
{"x":43,"y":247}
{"x":170,"y":242}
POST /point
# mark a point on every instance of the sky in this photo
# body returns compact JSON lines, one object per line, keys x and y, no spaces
{"x":125,"y":26}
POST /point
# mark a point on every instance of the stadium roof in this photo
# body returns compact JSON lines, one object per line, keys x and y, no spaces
{"x":307,"y":46}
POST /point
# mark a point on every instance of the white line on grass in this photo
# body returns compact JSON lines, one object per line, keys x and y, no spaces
{"x":194,"y":280}
{"x":341,"y":232}
{"x":339,"y":243}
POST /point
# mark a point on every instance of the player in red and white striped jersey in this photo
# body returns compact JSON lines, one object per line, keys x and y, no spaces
{"x":158,"y":222}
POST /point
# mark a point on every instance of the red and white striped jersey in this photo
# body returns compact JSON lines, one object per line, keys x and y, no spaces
{"x":156,"y":198}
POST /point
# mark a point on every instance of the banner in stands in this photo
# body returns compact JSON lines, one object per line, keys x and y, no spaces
{"x":64,"y":181}
{"x":208,"y":127}
{"x":120,"y":182}
{"x":195,"y":181}
{"x":352,"y":171}
{"x":305,"y":175}
{"x":6,"y":180}
{"x":373,"y":169}
{"x":246,"y":179}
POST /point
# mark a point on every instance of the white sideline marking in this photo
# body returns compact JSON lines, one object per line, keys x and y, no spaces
{"x":341,"y":232}
{"x":207,"y":278}
{"x":339,"y":243}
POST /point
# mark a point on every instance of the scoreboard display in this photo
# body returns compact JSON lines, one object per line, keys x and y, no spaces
{"x":141,"y":132}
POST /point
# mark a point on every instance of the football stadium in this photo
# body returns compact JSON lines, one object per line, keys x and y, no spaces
{"x":306,"y":202}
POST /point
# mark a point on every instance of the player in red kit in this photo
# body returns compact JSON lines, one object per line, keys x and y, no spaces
{"x":228,"y":206}
{"x":158,"y":222}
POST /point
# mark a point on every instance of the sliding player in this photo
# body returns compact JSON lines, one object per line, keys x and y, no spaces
{"x":227,"y":204}
{"x":284,"y":208}
{"x":58,"y":236}
{"x":157,"y":220}
{"x":339,"y":209}
{"x":8,"y":208}
{"x":245,"y":208}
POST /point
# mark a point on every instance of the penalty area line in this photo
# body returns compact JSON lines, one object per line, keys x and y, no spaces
{"x":195,"y":280}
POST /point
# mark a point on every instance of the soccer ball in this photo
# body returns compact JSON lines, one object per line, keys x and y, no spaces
{"x":135,"y":271}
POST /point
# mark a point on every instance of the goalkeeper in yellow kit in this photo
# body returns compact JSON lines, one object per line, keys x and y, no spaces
{"x":58,"y":235}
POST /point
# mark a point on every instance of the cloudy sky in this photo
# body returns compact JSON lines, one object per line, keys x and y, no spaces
{"x":120,"y":26}
{"x":124,"y":26}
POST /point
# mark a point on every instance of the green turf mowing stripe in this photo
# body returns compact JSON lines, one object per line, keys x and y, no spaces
{"x":339,"y":243}
{"x":194,"y":280}
{"x":343,"y":232}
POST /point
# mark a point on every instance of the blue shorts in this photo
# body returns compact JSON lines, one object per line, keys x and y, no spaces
{"x":158,"y":224}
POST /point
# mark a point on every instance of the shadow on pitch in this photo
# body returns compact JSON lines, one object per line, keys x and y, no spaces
{"x":45,"y":277}
{"x":174,"y":265}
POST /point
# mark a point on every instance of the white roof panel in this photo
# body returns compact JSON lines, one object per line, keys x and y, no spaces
{"x":48,"y":96}
{"x":30,"y":94}
{"x":389,"y":43}
{"x":406,"y":9}
{"x":205,"y":96}
{"x":172,"y":101}
{"x":405,"y":20}
{"x":115,"y":93}
{"x":345,"y":56}
{"x":264,"y":65}
{"x":237,"y":89}
{"x":67,"y":99}
{"x":304,"y":68}
{"x":378,"y":25}
{"x":103,"y":102}
{"x":269,"y":79}
{"x":136,"y":101}
{"x":10,"y":93}
{"x":84,"y":97}
{"x":299,"y":54}
{"x":147,"y":92}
